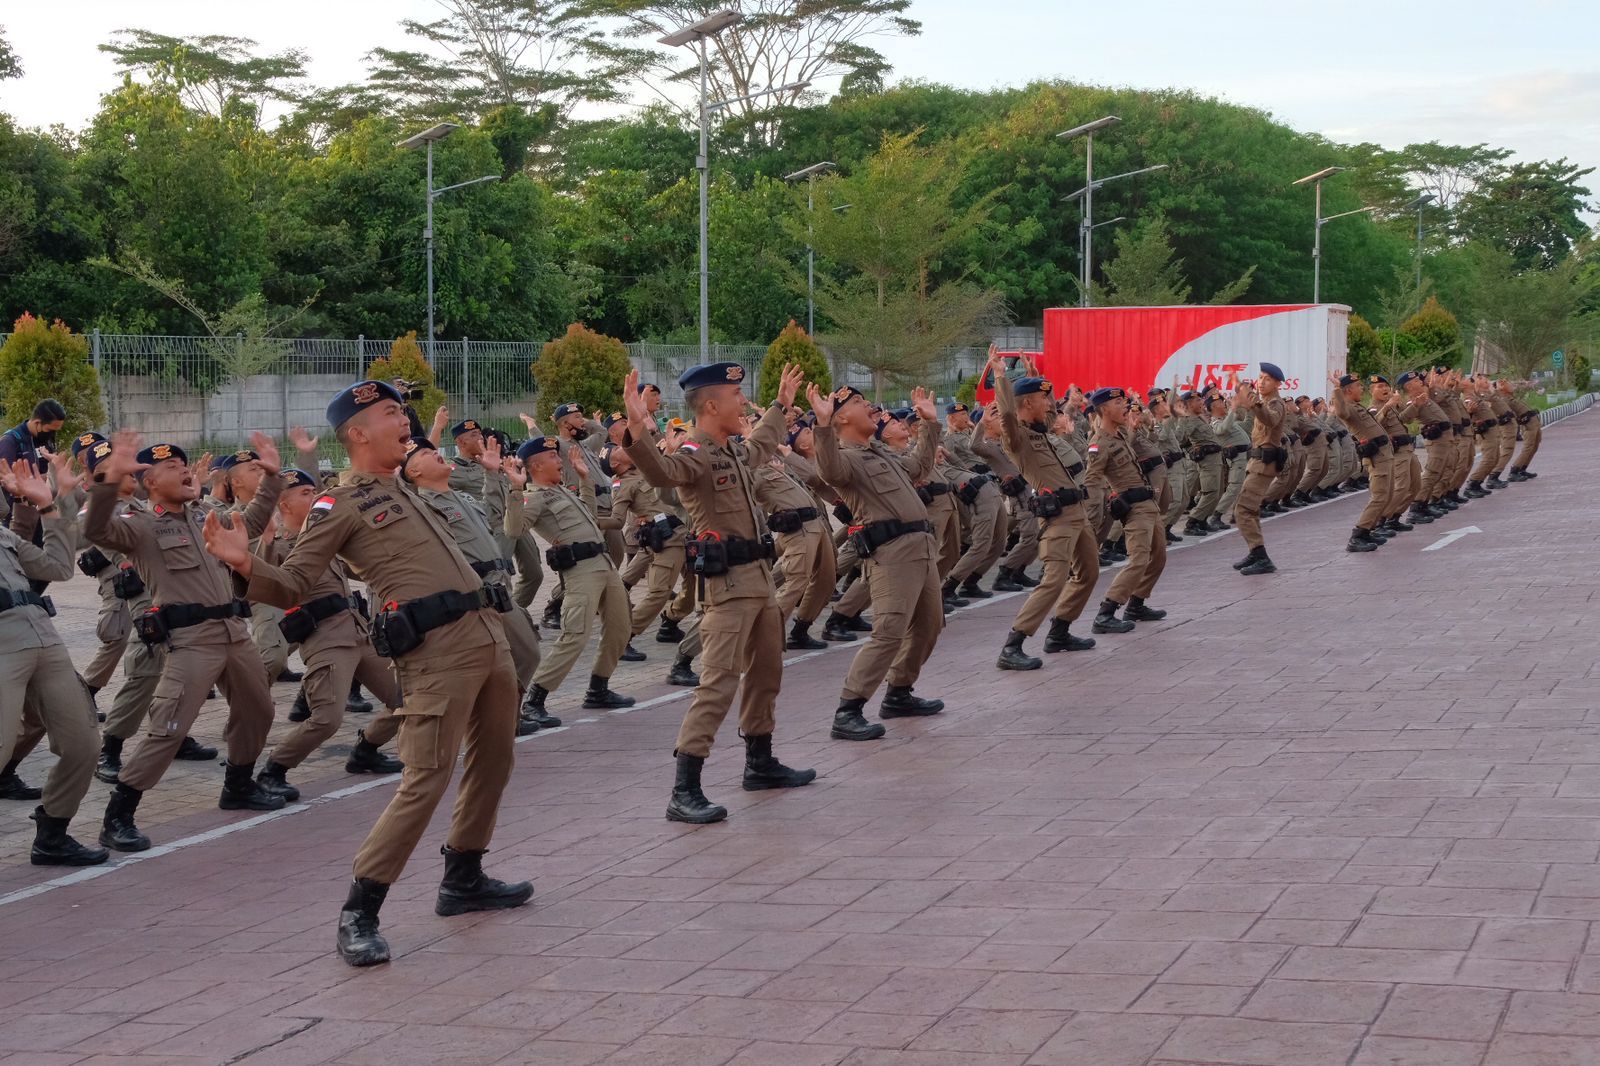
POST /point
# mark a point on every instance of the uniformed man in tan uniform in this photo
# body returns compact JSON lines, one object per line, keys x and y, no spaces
{"x":1504,"y":433}
{"x":660,"y":526}
{"x":741,"y":629}
{"x":197,"y":617}
{"x":1229,"y":428}
{"x":821,"y":570}
{"x":1372,"y":445}
{"x":35,"y":668}
{"x":801,"y":536}
{"x":1407,"y":470}
{"x":984,"y":440}
{"x":1267,"y":411}
{"x":441,"y":626}
{"x":1528,"y":423}
{"x":894,"y":538}
{"x":333,"y":643}
{"x":1066,"y":544}
{"x":1131,"y":502}
{"x":569,"y":524}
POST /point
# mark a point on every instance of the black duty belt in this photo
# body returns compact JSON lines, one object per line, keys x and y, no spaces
{"x":400,"y":627}
{"x":1484,"y":427}
{"x":1435,"y":430}
{"x":1200,"y":451}
{"x":927,"y":492}
{"x":1505,"y":419}
{"x":93,"y":562}
{"x":1268,"y":453}
{"x":792,"y":520}
{"x":298,"y":623}
{"x":566,"y":556}
{"x":873,"y":535}
{"x":1233,"y":451}
{"x":1402,"y":440}
{"x":184,"y":615}
{"x":1172,"y":458}
{"x":1150,"y":462}
{"x":1013,"y":485}
{"x":10,"y":598}
{"x":967,"y":493}
{"x":1527,"y":416}
{"x":1366,"y":449}
{"x":711,"y":555}
{"x":1311,"y":435}
{"x":1050,"y":503}
{"x":492,"y":566}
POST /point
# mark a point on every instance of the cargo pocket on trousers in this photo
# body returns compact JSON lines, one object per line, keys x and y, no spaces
{"x":721,"y":639}
{"x":423,"y":736}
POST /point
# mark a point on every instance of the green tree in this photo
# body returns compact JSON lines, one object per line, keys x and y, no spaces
{"x":1436,"y":329}
{"x":10,"y":65}
{"x":406,"y":362}
{"x":1363,"y":346}
{"x":1533,"y":211}
{"x":582,"y":367}
{"x":793,"y":345}
{"x":216,"y":75}
{"x":1148,"y":273}
{"x":1527,"y":314}
{"x":881,"y":233}
{"x":967,"y":391}
{"x":39,"y":361}
{"x":1581,"y":372}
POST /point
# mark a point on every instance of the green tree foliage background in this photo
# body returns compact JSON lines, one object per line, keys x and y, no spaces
{"x":42,"y":360}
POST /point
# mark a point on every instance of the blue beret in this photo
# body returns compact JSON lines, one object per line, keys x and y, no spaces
{"x":357,"y":397}
{"x":158,"y":453}
{"x":414,"y":444}
{"x":566,"y":409}
{"x":844,"y":394}
{"x":698,"y":377}
{"x":466,"y":425}
{"x":96,"y":453}
{"x":1376,"y":379}
{"x":648,"y":386}
{"x":1348,"y":379}
{"x":1409,"y":375}
{"x":1185,"y":396}
{"x":1104,"y":396}
{"x":977,"y":415}
{"x":1274,"y":371}
{"x":613,"y":418}
{"x":85,"y":440}
{"x":951,"y":409}
{"x":294,"y":478}
{"x":903,"y":414}
{"x":228,"y":462}
{"x":1153,"y":393}
{"x":1028,"y":386}
{"x":537,"y":446}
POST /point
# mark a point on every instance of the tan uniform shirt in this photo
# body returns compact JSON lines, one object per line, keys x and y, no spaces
{"x":560,"y":516}
{"x":1113,"y":462}
{"x":634,"y":502}
{"x":1357,"y":419}
{"x":29,"y":625}
{"x":346,"y":629}
{"x":879,"y":485}
{"x":168,"y":549}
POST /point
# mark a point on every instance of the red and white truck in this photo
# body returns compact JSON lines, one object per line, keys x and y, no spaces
{"x":1139,"y":348}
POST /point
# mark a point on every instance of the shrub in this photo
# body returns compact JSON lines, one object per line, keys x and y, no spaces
{"x":582,"y":367}
{"x":1363,"y":347}
{"x":405,"y":360}
{"x":967,"y":391}
{"x":1436,"y":331}
{"x":1581,"y":372}
{"x":793,"y":345}
{"x":40,"y":361}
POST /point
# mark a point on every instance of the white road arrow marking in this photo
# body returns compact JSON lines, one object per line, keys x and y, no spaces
{"x":1451,"y":537}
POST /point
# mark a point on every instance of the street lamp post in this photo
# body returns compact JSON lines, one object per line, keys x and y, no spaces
{"x":1419,"y":203}
{"x":1086,"y":227}
{"x":426,"y":139}
{"x":810,"y":174}
{"x":1316,"y":244}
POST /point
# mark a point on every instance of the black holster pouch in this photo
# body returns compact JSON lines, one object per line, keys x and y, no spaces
{"x":92,"y":562}
{"x":127,"y":584}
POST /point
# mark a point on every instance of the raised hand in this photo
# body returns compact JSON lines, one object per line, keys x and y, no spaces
{"x":126,"y":444}
{"x":922,"y":403}
{"x":821,"y":405}
{"x":515,"y":473}
{"x":228,"y":543}
{"x":67,"y":479}
{"x":789,"y":383}
{"x":579,"y":467}
{"x":633,"y":401}
{"x":302,"y":441}
{"x":267,"y":449}
{"x":202,"y":468}
{"x":529,"y":423}
{"x":25,"y":482}
{"x":491,"y":459}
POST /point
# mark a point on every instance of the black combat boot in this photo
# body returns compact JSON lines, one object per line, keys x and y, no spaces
{"x":668,"y":632}
{"x":110,"y":764}
{"x":1527,"y":474}
{"x":762,"y":771}
{"x":1021,"y":577}
{"x":533,"y":710}
{"x":240,"y":793}
{"x":551,"y":619}
{"x":630,"y":654}
{"x":856,"y":624}
{"x":1172,"y":537}
{"x":291,"y":677}
{"x":1419,"y":515}
{"x":53,"y":847}
{"x":800,"y":638}
{"x":301,"y":710}
{"x":1138,"y":612}
{"x":1105,"y":557}
{"x":365,"y":758}
{"x":1257,"y":563}
{"x":850,"y":724}
{"x":1119,"y":549}
{"x":1395,"y":523}
{"x":1195,"y":528}
{"x":356,"y":703}
{"x":837,"y":628}
{"x":1379,"y":533}
{"x":1455,"y":498}
{"x":191,"y":750}
{"x":951,"y":600}
{"x":360,"y":943}
{"x":467,"y":888}
{"x":1060,"y":638}
{"x":1215,"y":524}
{"x":684,"y":676}
{"x":1004,"y":581}
{"x":599,"y":697}
{"x":1360,"y":541}
{"x":899,"y":702}
{"x":1493,"y":482}
{"x":688,"y":803}
{"x":1475,"y":490}
{"x":1012,"y":657}
{"x":118,"y":831}
{"x":13,"y":787}
{"x":1108,"y":622}
{"x":1515,"y":474}
{"x":274,"y":778}
{"x":974,"y":591}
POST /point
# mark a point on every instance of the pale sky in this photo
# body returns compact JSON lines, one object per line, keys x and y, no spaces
{"x":1522,"y":75}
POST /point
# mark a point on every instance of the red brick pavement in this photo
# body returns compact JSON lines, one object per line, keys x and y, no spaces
{"x":1345,"y":814}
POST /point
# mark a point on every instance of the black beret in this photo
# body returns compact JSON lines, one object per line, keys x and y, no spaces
{"x":357,"y":397}
{"x":96,"y":453}
{"x":160,"y":453}
{"x":294,"y":477}
{"x":698,"y":377}
{"x":537,"y":446}
{"x":85,"y":440}
{"x":466,"y":425}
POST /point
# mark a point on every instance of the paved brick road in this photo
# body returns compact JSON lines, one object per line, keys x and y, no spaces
{"x":1343,"y":815}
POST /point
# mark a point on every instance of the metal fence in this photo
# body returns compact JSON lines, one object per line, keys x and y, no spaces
{"x":188,"y":390}
{"x":1572,"y":407}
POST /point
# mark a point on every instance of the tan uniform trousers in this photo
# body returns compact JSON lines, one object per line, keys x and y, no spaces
{"x":662,"y":571}
{"x":589,"y":591}
{"x":635,"y":567}
{"x":1210,"y":487}
{"x":1071,"y":567}
{"x":1026,"y":549}
{"x":530,"y":570}
{"x":742,"y":639}
{"x":1532,"y":433}
{"x":1508,"y":445}
{"x":1488,"y":452}
{"x":1184,"y":479}
{"x":329,"y":672}
{"x":523,"y":638}
{"x":858,"y":597}
{"x":141,"y":673}
{"x":469,"y":693}
{"x":1380,"y":486}
{"x":1316,"y":465}
{"x":907,"y":616}
{"x":113,"y":629}
{"x":1283,"y":485}
{"x":268,"y":639}
{"x":1403,"y":490}
{"x":186,"y":676}
{"x":805,"y":570}
{"x":946,"y":521}
{"x":1466,"y":444}
{"x":43,"y":678}
{"x":1247,"y":509}
{"x":1230,"y":495}
{"x":1147,"y":554}
{"x":989,"y":527}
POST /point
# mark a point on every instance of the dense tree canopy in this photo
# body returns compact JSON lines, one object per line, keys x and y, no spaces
{"x":218,"y":167}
